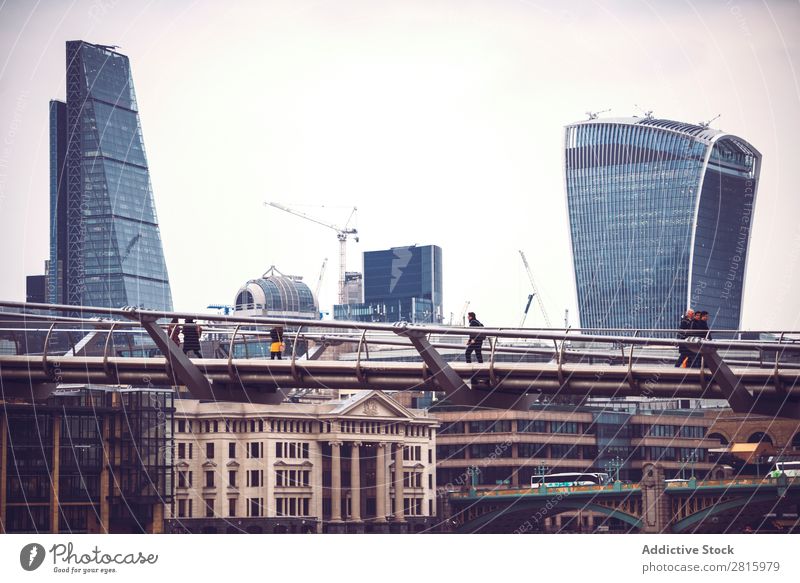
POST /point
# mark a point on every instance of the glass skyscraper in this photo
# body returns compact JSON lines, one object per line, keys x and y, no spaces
{"x":401,"y":283}
{"x":105,"y":245}
{"x":660,"y":215}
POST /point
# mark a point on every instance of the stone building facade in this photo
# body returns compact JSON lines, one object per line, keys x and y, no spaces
{"x":365,"y":464}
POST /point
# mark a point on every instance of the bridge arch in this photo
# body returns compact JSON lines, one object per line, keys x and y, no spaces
{"x":557,"y":508}
{"x":697,"y":517}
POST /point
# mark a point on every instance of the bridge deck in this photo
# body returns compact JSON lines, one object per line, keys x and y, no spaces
{"x":518,"y":378}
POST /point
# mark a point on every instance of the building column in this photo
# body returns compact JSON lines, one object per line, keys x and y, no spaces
{"x":355,"y":482}
{"x":398,"y":483}
{"x":105,"y":480}
{"x":55,"y":473}
{"x":380,"y":483}
{"x":3,"y":469}
{"x":336,"y":481}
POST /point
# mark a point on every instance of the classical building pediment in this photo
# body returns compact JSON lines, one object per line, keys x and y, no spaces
{"x":371,"y":404}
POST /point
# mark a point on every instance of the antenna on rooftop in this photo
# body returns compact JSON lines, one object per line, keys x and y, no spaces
{"x":706,"y":124}
{"x":594,"y":114}
{"x":647,"y":114}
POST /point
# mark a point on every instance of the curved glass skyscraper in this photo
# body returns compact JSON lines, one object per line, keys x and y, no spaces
{"x":660,"y":214}
{"x":105,"y":245}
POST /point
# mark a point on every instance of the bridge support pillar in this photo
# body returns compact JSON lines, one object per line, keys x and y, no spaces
{"x":183,"y":368}
{"x":655,"y":512}
{"x":739,"y":398}
{"x":457,"y":391}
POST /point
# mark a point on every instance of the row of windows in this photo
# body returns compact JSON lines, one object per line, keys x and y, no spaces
{"x":297,"y":426}
{"x":293,"y":478}
{"x":566,"y":427}
{"x":566,"y":451}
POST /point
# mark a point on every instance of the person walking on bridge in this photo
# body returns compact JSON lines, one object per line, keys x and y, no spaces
{"x":276,"y":347}
{"x":684,"y":354}
{"x":191,"y":338}
{"x":475,"y":341}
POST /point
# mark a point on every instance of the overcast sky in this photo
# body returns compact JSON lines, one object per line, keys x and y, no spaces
{"x":442,"y":121}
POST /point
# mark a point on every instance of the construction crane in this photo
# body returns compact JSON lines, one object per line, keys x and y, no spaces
{"x":319,"y":281}
{"x":464,"y":313}
{"x":525,"y":313}
{"x":341,"y":233}
{"x":535,"y":290}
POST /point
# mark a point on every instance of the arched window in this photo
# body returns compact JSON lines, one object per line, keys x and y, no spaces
{"x":719,"y":437}
{"x":244,"y":301}
{"x":758,"y":437}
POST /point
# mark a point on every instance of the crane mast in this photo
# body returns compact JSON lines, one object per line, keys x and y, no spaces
{"x":342,"y":233}
{"x":535,"y":289}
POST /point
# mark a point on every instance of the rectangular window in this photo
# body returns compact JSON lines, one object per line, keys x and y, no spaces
{"x":231,"y":506}
{"x":181,"y":451}
{"x":232,"y":449}
{"x":232,"y":478}
{"x":209,"y":508}
{"x":254,"y":478}
{"x":210,"y":451}
{"x":254,"y":449}
{"x":254,"y":506}
{"x":184,"y":479}
{"x":182,"y":426}
{"x":209,"y":479}
{"x":278,"y":449}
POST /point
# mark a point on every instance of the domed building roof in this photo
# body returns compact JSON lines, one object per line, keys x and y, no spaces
{"x":276,"y":294}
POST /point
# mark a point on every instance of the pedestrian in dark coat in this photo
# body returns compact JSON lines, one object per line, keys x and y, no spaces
{"x":698,"y":329}
{"x":191,"y":338}
{"x":683,"y":352}
{"x":475,"y":340}
{"x":276,"y":348}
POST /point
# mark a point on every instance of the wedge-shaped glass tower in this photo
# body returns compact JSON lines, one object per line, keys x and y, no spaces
{"x":660,"y":215}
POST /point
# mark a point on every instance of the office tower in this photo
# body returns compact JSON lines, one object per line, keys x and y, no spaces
{"x":660,"y":214}
{"x":401,"y":283}
{"x":105,"y":245}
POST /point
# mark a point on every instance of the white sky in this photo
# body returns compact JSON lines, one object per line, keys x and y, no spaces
{"x":441,"y":121}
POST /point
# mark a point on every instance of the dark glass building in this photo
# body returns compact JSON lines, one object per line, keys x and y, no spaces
{"x":105,"y":245}
{"x":660,"y":214}
{"x":401,"y":283}
{"x":87,"y":460}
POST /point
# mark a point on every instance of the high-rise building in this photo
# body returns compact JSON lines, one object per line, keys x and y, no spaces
{"x":660,"y":215}
{"x":105,"y":245}
{"x":401,"y":283}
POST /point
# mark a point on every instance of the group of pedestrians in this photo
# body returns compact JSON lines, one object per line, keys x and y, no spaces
{"x":694,"y":323}
{"x":191,"y":335}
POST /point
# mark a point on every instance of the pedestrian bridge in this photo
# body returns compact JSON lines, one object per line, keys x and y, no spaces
{"x":651,"y":506}
{"x":59,"y":347}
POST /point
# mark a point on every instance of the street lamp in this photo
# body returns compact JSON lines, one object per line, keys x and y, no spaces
{"x":613,"y":466}
{"x":691,"y":459}
{"x":542,"y":469}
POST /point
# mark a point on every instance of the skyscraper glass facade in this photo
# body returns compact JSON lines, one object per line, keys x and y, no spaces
{"x":401,"y":283}
{"x":660,"y":215}
{"x":105,"y":242}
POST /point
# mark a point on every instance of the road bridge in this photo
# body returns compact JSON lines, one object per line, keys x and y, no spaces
{"x":651,"y":506}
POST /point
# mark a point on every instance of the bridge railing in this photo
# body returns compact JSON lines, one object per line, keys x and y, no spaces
{"x":570,"y":345}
